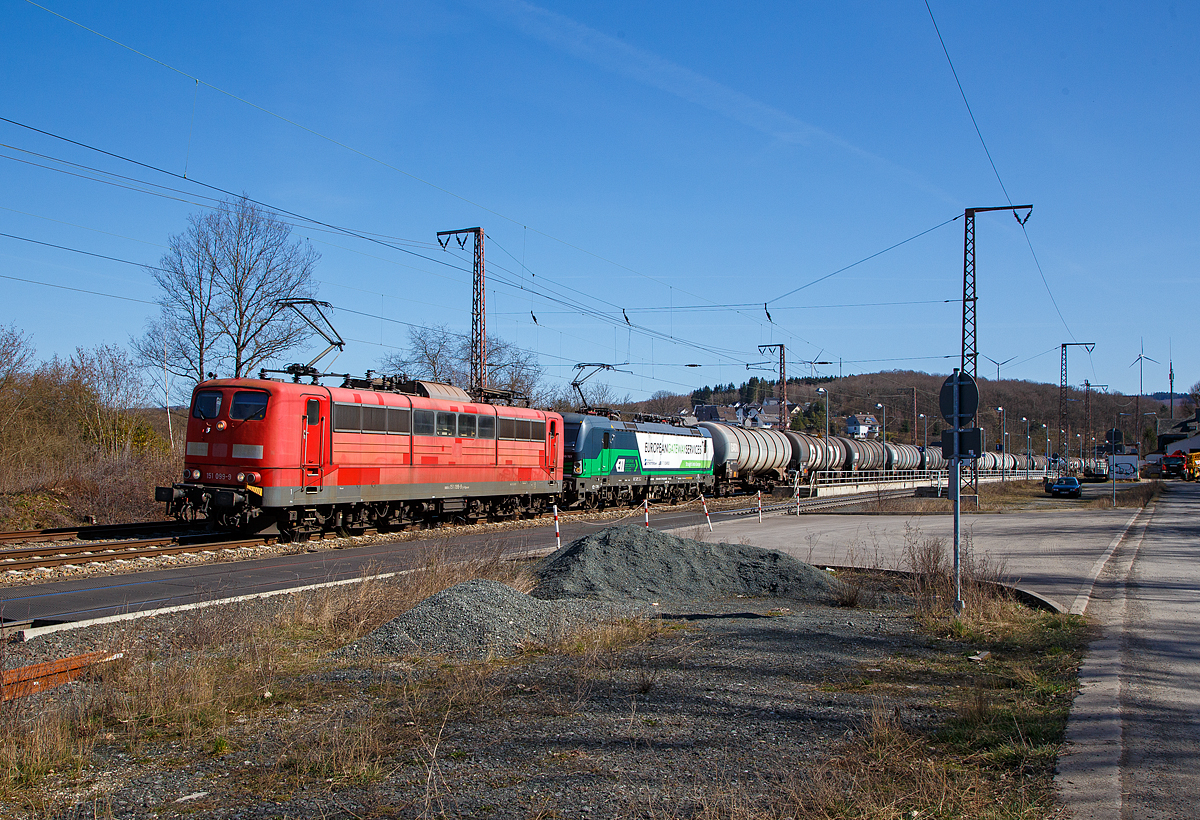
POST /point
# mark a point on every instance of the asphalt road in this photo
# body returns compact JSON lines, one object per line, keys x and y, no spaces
{"x":1049,"y":553}
{"x":1134,"y":742}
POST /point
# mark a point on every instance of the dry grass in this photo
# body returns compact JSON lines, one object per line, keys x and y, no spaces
{"x":221,"y":664}
{"x":229,"y":674}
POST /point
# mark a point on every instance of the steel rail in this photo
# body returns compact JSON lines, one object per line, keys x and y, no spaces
{"x":91,"y":531}
{"x":12,"y":560}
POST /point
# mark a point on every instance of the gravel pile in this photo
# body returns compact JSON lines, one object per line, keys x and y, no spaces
{"x":633,"y":563}
{"x":477,"y":618}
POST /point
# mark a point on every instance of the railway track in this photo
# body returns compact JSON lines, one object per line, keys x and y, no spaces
{"x":42,"y":557}
{"x":95,"y":532}
{"x":48,"y":551}
{"x":817,"y":504}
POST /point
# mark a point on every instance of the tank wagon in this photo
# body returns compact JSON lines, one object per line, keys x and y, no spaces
{"x":374,"y":452}
{"x":747,"y":458}
{"x":608,"y":462}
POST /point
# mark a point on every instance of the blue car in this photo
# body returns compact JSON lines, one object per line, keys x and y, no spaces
{"x":1066,"y":486}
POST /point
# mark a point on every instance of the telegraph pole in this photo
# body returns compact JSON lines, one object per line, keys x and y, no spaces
{"x":479,"y":379}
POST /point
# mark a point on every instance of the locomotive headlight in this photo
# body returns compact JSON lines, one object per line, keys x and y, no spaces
{"x":249,"y":478}
{"x":221,"y":425}
{"x":241,"y":477}
{"x":194,"y":475}
{"x":577,"y":468}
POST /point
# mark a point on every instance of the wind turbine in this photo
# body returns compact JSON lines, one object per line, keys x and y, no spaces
{"x":812,"y":365}
{"x":993,"y":361}
{"x":1142,"y":357}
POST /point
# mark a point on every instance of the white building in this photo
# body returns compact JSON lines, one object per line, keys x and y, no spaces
{"x":862,"y":425}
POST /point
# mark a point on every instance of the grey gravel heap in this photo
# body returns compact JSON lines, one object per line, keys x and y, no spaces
{"x":477,"y":618}
{"x":632,"y":563}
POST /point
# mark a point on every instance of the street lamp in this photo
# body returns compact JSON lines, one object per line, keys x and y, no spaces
{"x":1027,"y":453}
{"x":1003,"y":438}
{"x":923,"y":416}
{"x":1047,"y":428}
{"x":825,"y":393}
{"x":883,"y":429}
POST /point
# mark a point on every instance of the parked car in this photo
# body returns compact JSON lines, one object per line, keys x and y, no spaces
{"x":1067,"y":485}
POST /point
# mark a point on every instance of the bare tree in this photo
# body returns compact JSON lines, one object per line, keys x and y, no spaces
{"x":432,"y":355}
{"x":220,"y":282}
{"x":438,"y":354}
{"x":665,"y":403}
{"x":16,"y":359}
{"x":105,"y":383}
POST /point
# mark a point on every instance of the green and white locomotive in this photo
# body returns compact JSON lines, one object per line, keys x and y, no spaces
{"x":608,"y":463}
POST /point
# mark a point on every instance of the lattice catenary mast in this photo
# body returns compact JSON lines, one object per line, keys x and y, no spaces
{"x":479,"y":378}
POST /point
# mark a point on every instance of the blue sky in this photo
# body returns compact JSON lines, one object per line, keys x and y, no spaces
{"x":685,"y":162}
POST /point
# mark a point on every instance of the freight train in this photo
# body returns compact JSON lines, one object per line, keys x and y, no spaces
{"x":382,"y":452}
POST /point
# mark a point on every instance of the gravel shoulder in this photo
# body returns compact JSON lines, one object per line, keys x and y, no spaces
{"x":702,"y":697}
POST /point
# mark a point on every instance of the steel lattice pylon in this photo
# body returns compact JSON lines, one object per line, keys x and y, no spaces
{"x":479,"y":376}
{"x":1062,"y":395}
{"x":970,"y":351}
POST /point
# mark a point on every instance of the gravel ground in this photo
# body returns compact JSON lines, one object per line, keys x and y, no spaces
{"x":747,"y":673}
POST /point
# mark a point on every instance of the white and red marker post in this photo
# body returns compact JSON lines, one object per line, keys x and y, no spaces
{"x":704,"y":504}
{"x":557,"y":537}
{"x":646,"y":507}
{"x":760,"y":506}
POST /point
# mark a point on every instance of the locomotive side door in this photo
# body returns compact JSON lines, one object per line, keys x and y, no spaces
{"x":314,"y":422}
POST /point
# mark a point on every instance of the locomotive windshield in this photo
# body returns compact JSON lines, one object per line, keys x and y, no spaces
{"x":249,"y":404}
{"x":207,"y":406}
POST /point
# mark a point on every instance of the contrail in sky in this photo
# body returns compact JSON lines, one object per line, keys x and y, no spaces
{"x":646,"y":68}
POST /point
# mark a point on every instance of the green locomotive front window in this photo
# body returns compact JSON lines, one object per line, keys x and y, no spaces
{"x":207,"y":405}
{"x":249,"y":405}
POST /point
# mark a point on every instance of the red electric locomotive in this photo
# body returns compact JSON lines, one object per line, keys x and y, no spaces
{"x":371,"y":453}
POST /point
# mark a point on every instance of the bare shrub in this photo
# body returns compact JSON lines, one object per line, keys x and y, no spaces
{"x":930,"y":562}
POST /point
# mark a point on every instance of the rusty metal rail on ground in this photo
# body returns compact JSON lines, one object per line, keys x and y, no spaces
{"x":38,"y":677}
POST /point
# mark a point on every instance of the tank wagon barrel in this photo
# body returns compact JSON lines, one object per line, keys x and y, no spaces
{"x":755,"y":457}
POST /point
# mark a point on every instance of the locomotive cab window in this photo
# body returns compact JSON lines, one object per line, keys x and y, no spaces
{"x":423,"y":422}
{"x":249,"y":405}
{"x":208,"y":405}
{"x":487,"y":426}
{"x":446,"y":424}
{"x":466,"y":425}
{"x":313,"y":411}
